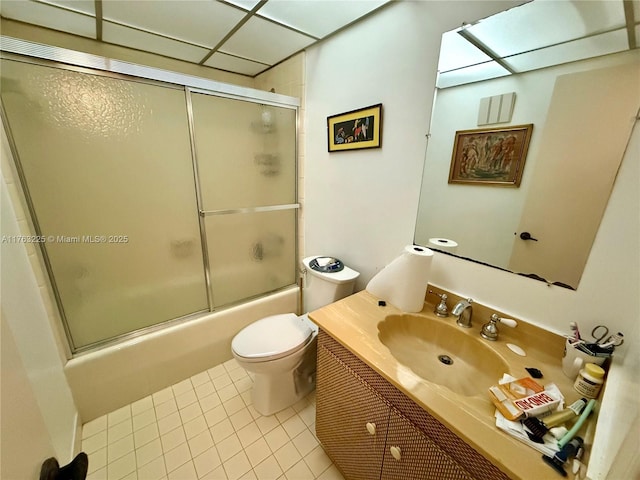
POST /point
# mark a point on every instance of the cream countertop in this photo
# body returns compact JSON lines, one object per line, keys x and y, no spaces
{"x":354,"y":320}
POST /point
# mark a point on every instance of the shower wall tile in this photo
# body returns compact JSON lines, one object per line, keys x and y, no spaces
{"x":18,"y":207}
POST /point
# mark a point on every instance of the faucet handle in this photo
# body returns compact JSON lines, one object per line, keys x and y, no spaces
{"x":489,"y":330}
{"x":441,"y":309}
{"x":509,"y":322}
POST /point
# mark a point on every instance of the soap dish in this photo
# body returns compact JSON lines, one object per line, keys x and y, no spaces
{"x":516,"y":349}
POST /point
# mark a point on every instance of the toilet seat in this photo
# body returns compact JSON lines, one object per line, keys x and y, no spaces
{"x":272,"y":337}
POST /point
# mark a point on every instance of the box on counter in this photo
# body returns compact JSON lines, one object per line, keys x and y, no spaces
{"x":523,"y":397}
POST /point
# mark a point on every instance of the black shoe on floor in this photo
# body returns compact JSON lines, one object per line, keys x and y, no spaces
{"x":50,"y":469}
{"x":76,"y":470}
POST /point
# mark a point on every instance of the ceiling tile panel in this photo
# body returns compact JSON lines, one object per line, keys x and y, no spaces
{"x":49,"y":17}
{"x":244,"y":4}
{"x":129,"y":37}
{"x":234,"y":64}
{"x":265,"y":42}
{"x":318,"y":17}
{"x":201,"y":22}
{"x":86,"y":6}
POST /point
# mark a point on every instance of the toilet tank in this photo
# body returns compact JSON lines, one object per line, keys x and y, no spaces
{"x":336,"y":281}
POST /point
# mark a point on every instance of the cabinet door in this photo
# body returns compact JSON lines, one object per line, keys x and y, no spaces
{"x":351,"y":419}
{"x":410,"y":454}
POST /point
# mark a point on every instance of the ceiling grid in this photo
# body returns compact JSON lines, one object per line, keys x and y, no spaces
{"x":248,"y":37}
{"x":241,"y":36}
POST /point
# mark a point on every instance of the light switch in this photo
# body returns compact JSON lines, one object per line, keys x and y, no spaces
{"x":496,"y":109}
{"x":506,"y":107}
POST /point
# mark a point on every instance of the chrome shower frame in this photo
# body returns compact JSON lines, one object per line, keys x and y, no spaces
{"x":61,"y":58}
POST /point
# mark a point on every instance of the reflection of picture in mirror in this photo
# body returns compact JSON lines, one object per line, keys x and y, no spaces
{"x":490,"y":156}
{"x":580,"y":104}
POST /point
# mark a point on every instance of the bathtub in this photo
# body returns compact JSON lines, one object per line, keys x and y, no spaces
{"x":107,"y":379}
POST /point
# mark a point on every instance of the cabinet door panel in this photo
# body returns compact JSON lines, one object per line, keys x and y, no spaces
{"x":345,"y":404}
{"x":420,"y":458}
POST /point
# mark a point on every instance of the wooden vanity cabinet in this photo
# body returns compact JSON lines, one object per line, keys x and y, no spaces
{"x":352,"y":423}
{"x":420,"y":457}
{"x":407,"y":442}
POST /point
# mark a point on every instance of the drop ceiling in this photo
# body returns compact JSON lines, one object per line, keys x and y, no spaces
{"x":240,"y":36}
{"x":535,"y":35}
{"x":250,"y":36}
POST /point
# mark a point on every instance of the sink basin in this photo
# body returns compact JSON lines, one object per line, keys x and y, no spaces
{"x":442,"y":353}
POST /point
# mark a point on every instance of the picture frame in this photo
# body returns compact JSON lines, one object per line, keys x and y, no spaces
{"x":355,"y":130}
{"x":490,"y":156}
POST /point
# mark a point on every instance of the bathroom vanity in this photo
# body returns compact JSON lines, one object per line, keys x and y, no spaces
{"x":380,"y":419}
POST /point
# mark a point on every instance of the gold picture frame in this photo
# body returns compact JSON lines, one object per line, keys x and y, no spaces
{"x":356,"y":129}
{"x":493,"y":156}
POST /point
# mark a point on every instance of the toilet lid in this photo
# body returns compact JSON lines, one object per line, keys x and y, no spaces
{"x":272,"y":337}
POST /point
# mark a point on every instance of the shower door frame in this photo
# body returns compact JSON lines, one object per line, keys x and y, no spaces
{"x":65,"y":59}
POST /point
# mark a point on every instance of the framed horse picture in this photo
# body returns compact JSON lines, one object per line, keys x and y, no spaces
{"x":355,"y":130}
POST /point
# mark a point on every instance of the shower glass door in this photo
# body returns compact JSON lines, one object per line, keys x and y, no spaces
{"x":155,"y":201}
{"x":108,"y":166}
{"x":246,"y":161}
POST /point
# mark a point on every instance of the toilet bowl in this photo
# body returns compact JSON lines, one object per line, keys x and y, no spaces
{"x":280,"y":350}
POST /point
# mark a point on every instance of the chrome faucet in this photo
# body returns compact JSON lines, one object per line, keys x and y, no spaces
{"x":490,"y":329}
{"x":441,"y":308}
{"x":462,"y":311}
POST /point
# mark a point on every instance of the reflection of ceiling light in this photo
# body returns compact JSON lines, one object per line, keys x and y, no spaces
{"x":535,"y":35}
{"x":469,"y":37}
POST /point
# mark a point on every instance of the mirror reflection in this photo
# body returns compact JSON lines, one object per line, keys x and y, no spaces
{"x":574,"y":76}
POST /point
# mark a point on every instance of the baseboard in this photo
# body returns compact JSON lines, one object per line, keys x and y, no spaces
{"x":76,"y":440}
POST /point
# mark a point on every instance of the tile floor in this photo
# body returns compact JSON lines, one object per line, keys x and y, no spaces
{"x":205,"y":428}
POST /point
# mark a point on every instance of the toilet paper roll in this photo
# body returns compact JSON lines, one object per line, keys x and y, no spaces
{"x":443,"y":244}
{"x":403,"y":283}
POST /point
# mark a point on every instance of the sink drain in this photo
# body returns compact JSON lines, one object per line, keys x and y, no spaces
{"x":446,"y":359}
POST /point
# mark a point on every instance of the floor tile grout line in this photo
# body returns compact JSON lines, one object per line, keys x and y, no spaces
{"x":297,"y":418}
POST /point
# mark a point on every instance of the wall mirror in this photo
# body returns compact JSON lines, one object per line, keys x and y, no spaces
{"x":571,"y":69}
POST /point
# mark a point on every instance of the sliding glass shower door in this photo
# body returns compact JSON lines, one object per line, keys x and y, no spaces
{"x":107,"y":164}
{"x":246,"y":162}
{"x":108,"y":167}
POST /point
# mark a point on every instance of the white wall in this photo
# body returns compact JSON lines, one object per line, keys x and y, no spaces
{"x":25,"y":441}
{"x":361,"y":206}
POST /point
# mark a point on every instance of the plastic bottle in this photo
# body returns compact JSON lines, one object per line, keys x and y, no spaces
{"x":589,"y":381}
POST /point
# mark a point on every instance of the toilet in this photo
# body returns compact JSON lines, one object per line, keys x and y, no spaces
{"x":280,"y":350}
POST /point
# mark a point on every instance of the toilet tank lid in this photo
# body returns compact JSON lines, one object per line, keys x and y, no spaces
{"x":271,"y":336}
{"x":343,"y":276}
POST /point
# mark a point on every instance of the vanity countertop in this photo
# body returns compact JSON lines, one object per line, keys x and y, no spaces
{"x":353,"y":322}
